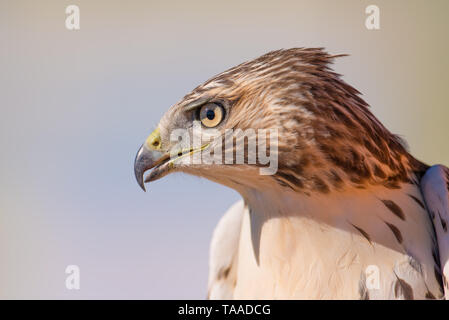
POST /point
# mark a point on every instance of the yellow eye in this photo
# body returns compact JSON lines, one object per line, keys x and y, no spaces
{"x":211,"y":114}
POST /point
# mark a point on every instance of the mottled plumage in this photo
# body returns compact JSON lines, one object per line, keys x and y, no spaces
{"x":347,"y":195}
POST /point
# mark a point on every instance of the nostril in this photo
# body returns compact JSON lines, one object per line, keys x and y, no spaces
{"x":154,"y":140}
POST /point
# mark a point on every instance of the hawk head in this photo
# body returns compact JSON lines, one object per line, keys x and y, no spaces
{"x":325,"y":138}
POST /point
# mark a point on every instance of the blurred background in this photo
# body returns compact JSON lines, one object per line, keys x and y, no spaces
{"x":76,"y":105}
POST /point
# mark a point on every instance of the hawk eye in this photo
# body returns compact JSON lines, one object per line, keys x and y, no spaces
{"x":211,"y":115}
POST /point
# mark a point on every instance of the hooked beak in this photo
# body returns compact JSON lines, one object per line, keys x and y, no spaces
{"x":150,"y":156}
{"x":146,"y":159}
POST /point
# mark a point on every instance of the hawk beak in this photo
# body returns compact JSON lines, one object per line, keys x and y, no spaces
{"x":148,"y":157}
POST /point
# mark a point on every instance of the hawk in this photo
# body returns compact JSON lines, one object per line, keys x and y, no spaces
{"x":349,"y":213}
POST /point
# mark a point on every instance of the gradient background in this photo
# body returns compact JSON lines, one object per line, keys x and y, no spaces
{"x":76,"y":105}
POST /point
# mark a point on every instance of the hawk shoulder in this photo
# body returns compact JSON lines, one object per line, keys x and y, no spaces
{"x":435,"y":189}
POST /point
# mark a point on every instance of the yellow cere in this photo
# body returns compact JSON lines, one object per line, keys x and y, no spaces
{"x":154,"y":140}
